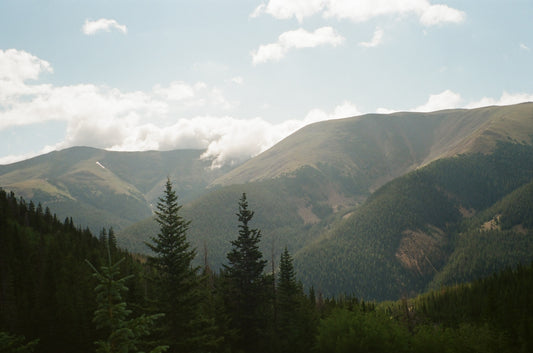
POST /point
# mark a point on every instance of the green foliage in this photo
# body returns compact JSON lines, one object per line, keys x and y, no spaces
{"x":46,"y":289}
{"x":178,"y":283}
{"x":503,"y":301}
{"x":296,"y":317}
{"x":247,"y":286}
{"x":465,"y":338}
{"x":15,"y":344}
{"x":362,"y":254}
{"x":111,"y":315}
{"x":346,"y":331}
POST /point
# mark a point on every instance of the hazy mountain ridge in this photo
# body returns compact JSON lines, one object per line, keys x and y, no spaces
{"x":105,"y":188}
{"x":307,"y":193}
{"x":376,"y":148}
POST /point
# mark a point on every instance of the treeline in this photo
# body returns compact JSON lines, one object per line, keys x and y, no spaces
{"x":52,"y":300}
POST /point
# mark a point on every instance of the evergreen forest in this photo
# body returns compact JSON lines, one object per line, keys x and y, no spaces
{"x":64,"y":289}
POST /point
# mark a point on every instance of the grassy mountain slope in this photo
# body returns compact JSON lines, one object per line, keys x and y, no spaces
{"x":284,"y":211}
{"x":311,"y":184}
{"x":373,"y":149}
{"x":103,"y":188}
{"x":402,"y":236}
{"x":307,"y":191}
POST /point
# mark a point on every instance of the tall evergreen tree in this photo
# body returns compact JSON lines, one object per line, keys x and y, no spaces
{"x":296,"y":315}
{"x":178,"y":282}
{"x":247,"y":284}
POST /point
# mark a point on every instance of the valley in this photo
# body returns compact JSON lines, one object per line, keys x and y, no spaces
{"x":375,"y":205}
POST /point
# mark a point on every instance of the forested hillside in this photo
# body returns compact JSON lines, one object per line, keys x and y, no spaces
{"x":377,"y":205}
{"x":53,"y":300}
{"x":403,"y":236}
{"x":46,"y":288}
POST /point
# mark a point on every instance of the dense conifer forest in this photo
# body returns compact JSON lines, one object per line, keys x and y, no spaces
{"x":64,"y":289}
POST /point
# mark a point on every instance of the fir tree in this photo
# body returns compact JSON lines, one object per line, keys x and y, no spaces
{"x":247,"y":284}
{"x":111,"y":315}
{"x":296,"y":314}
{"x":178,"y":282}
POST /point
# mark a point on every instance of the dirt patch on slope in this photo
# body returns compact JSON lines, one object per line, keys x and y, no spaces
{"x":421,"y":251}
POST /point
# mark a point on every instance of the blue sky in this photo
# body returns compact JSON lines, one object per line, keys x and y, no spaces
{"x":234,"y":77}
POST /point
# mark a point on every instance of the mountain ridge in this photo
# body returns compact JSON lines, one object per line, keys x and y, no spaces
{"x":306,"y":187}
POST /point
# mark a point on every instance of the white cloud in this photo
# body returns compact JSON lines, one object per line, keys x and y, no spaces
{"x":524,"y":47}
{"x":104,"y":117}
{"x":444,"y":100}
{"x":179,"y":90}
{"x":450,"y":100}
{"x":437,"y":14}
{"x":505,"y":99}
{"x":296,"y":39}
{"x":285,"y":9}
{"x":18,"y":66}
{"x":344,"y":110}
{"x":103,"y":24}
{"x":376,"y":40}
{"x":108,"y":118}
{"x":361,"y":10}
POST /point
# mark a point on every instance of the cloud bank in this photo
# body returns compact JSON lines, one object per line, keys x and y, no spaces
{"x":361,"y":10}
{"x":163,"y":118}
{"x":296,"y":39}
{"x":102,"y":25}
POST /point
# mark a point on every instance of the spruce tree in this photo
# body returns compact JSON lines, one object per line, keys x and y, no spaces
{"x":247,"y":284}
{"x":123,"y":335}
{"x":177,"y":281}
{"x":296,"y":316}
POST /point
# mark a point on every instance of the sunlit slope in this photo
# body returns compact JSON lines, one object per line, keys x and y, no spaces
{"x":374,"y":148}
{"x":103,"y":188}
{"x":331,"y":168}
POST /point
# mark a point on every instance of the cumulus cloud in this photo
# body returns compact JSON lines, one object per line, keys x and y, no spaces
{"x":444,"y":100}
{"x":108,"y":118}
{"x":19,"y":66}
{"x":449,"y":100}
{"x":285,"y":9}
{"x":524,"y":47}
{"x":362,"y":10}
{"x":436,"y":14}
{"x":296,"y":39}
{"x":102,"y":25}
{"x":376,"y":40}
{"x":505,"y":99}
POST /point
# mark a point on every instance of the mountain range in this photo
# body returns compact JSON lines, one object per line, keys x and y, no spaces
{"x":380,"y":206}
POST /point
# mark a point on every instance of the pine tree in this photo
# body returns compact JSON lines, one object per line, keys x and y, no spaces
{"x":248,"y":286}
{"x":296,"y":315}
{"x":178,"y":282}
{"x":111,"y":315}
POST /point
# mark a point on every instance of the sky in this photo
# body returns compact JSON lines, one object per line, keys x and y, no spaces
{"x":234,"y":77}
